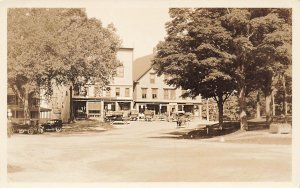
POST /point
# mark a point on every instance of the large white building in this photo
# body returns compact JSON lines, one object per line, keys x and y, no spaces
{"x":152,"y":93}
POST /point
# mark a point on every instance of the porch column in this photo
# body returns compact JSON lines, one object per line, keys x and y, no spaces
{"x":102,"y":110}
{"x":207,"y":111}
{"x":87,"y":108}
{"x":200,"y":111}
{"x":137,"y":106}
{"x":176,"y":107}
{"x":116,"y":106}
{"x":131,"y":105}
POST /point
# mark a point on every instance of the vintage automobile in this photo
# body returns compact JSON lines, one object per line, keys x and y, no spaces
{"x":149,"y":114}
{"x":29,"y":126}
{"x":116,"y":117}
{"x":52,"y":125}
{"x":134,"y":115}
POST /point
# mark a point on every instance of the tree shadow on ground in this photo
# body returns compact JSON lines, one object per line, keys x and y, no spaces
{"x":214,"y":131}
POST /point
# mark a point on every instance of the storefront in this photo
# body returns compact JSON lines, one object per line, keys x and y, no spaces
{"x":168,"y":108}
{"x":96,"y":108}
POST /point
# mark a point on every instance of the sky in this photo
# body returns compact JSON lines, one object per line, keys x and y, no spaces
{"x":140,"y":28}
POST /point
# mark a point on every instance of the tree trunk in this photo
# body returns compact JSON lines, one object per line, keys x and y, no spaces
{"x":26,"y":106}
{"x":71,"y":118}
{"x":273,"y":104}
{"x":258,"y":106}
{"x":242,"y":105}
{"x":220,"y":109}
{"x":284,"y":98}
{"x":268,"y":107}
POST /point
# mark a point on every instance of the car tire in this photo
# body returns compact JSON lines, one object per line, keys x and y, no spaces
{"x":30,"y":131}
{"x":58,"y":129}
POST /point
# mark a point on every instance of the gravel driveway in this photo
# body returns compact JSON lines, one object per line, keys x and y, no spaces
{"x":144,"y":151}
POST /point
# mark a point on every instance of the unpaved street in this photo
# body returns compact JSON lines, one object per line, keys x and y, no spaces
{"x":143,"y":151}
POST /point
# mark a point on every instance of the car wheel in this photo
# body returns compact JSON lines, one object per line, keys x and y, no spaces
{"x":58,"y":129}
{"x":30,"y":131}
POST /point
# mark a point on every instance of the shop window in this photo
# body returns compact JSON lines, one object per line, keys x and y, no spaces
{"x":127,"y":92}
{"x":94,"y":111}
{"x":117,"y":92}
{"x":144,"y":93}
{"x":154,"y":93}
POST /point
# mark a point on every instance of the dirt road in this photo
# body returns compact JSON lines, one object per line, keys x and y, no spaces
{"x":142,"y":151}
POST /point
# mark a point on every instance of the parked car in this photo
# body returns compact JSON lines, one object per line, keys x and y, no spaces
{"x":53,"y":125}
{"x":134,"y":115}
{"x":29,"y":126}
{"x":117,"y":117}
{"x":149,"y":114}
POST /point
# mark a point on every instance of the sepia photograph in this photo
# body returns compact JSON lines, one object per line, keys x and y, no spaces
{"x":133,"y":92}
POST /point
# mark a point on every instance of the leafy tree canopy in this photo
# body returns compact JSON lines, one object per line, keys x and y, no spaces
{"x":62,"y":46}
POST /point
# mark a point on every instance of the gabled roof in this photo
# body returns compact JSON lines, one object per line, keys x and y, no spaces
{"x":141,"y":66}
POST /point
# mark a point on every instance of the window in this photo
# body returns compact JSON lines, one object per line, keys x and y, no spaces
{"x":107,"y":92}
{"x":166,"y":94}
{"x":154,"y":93}
{"x":120,"y":71}
{"x":97,"y":91}
{"x":117,"y":91}
{"x":144,"y":93}
{"x":11,"y":100}
{"x":127,"y":92}
{"x":76,"y":90}
{"x":180,"y":108}
{"x":172,"y":94}
{"x":152,"y":78}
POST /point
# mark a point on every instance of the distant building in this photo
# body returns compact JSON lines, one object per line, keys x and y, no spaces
{"x":16,"y":106}
{"x":152,"y":93}
{"x":118,"y":95}
{"x":59,"y":103}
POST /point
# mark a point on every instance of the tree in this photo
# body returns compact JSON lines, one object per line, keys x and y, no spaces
{"x":196,"y":55}
{"x":213,"y":52}
{"x":57,"y":46}
{"x":272,"y":40}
